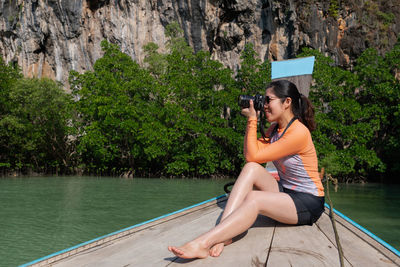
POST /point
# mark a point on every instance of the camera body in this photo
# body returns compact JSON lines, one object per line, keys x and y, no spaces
{"x":258,"y":101}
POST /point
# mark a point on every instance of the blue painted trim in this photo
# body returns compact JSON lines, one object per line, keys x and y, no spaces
{"x":292,"y":67}
{"x":119,"y":231}
{"x":388,"y":246}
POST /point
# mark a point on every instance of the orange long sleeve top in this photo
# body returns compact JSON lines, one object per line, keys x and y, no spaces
{"x":293,"y":155}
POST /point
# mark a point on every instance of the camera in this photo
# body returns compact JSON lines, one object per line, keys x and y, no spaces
{"x":258,"y":101}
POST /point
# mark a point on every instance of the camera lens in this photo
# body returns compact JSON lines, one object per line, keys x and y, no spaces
{"x":244,"y":101}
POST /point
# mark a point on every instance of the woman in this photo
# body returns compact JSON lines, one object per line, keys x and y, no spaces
{"x":298,"y":197}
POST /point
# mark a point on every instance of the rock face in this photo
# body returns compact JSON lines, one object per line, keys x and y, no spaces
{"x":51,"y":37}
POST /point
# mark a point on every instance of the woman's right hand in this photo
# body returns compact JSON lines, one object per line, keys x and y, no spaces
{"x":250,"y":111}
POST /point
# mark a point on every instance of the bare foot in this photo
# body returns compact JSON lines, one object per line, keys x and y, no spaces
{"x":190,"y":250}
{"x":217,"y":249}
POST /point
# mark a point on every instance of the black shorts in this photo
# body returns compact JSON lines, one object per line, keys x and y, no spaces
{"x":309,"y":207}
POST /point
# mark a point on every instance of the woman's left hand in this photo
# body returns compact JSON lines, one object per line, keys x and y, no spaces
{"x":250,"y":111}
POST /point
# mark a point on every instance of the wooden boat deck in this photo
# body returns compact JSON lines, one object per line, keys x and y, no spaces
{"x":267,"y":243}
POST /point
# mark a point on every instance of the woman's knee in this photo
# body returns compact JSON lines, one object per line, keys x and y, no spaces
{"x":257,"y":175}
{"x":250,"y":169}
{"x":252,"y":166}
{"x":253,"y":198}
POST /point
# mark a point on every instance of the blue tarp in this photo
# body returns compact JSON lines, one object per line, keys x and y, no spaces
{"x":292,"y":67}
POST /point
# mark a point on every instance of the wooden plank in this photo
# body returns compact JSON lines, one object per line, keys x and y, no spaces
{"x":123,"y":234}
{"x":302,"y":246}
{"x":148,"y":247}
{"x":358,"y":248}
{"x":250,"y":250}
{"x":302,"y":82}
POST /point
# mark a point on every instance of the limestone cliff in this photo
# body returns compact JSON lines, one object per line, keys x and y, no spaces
{"x":51,"y":37}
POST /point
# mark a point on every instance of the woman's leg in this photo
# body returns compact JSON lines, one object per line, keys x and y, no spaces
{"x":278,"y":206}
{"x":253,"y":175}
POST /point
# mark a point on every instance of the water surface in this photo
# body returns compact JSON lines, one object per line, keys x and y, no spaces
{"x":376,"y":207}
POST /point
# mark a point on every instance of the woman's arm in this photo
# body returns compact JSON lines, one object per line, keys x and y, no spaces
{"x":249,"y":126}
{"x":251,"y":115}
{"x":291,"y":143}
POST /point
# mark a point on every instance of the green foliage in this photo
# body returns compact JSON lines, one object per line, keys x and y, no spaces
{"x":8,"y":76}
{"x":33,"y":126}
{"x":114,"y":104}
{"x":380,"y":90}
{"x":253,"y":76}
{"x":156,"y":63}
{"x":333,"y":8}
{"x":356,"y":114}
{"x":167,"y":119}
{"x":199,"y":91}
{"x":178,"y":115}
{"x":387,"y":18}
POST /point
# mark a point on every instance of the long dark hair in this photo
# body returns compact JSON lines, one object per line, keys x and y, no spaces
{"x":301,"y":105}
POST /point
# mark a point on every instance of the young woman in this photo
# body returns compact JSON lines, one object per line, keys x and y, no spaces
{"x":298,"y":196}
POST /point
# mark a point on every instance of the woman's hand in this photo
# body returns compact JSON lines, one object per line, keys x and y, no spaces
{"x":250,"y":111}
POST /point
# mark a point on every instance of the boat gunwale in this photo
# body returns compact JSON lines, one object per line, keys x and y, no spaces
{"x":367,"y":236}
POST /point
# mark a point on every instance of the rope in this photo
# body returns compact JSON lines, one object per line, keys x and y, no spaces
{"x":226,"y":189}
{"x":332,"y":214}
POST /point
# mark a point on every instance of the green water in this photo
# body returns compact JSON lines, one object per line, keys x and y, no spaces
{"x":40,"y":216}
{"x":376,"y":207}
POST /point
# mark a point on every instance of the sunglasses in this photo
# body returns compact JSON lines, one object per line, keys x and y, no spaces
{"x":269,"y":99}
